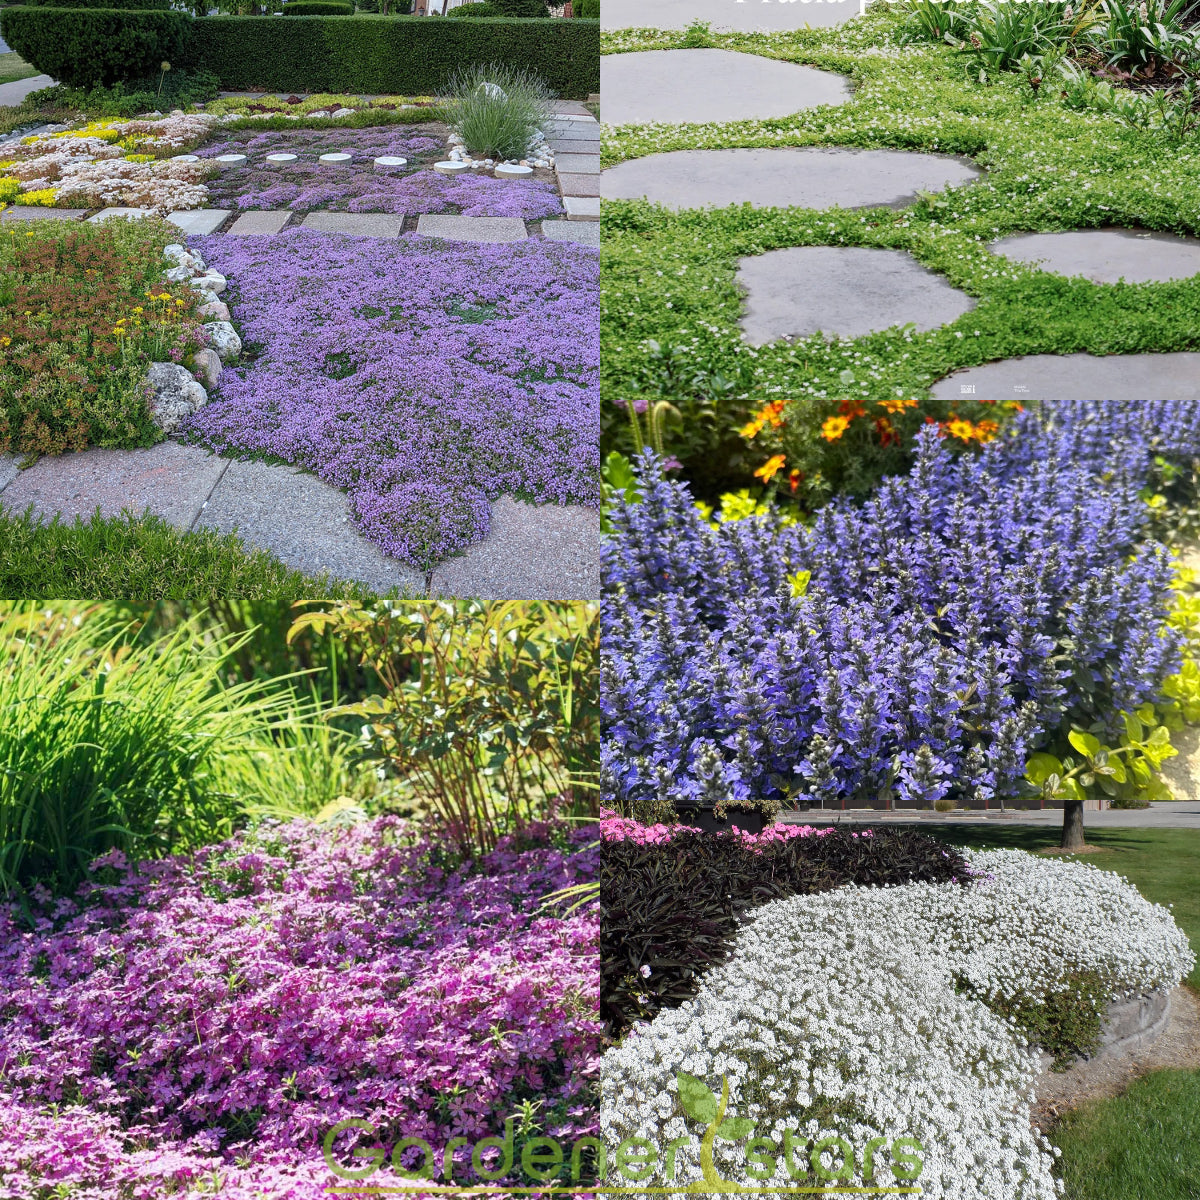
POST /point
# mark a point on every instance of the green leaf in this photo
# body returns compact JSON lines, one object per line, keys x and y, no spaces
{"x":1040,"y":767}
{"x":696,"y":1098}
{"x":1133,"y":728}
{"x":733,"y":1129}
{"x":1087,"y":745}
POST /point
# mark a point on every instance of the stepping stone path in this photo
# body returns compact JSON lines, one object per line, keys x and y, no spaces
{"x":262,"y":221}
{"x":533,"y":552}
{"x":805,"y":177}
{"x":381,"y":225}
{"x":843,"y":292}
{"x":585,"y":233}
{"x":1036,"y":378}
{"x":677,"y":87}
{"x":471,"y":229}
{"x":739,"y":15}
{"x":1107,"y":255}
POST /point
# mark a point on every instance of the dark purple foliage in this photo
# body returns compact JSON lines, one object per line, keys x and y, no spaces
{"x":469,"y":370}
{"x":358,"y":186}
{"x":951,"y":623}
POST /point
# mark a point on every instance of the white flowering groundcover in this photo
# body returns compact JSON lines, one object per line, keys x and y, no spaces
{"x":840,"y":1026}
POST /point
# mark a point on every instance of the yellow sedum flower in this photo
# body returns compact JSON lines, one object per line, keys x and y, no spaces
{"x":42,"y":197}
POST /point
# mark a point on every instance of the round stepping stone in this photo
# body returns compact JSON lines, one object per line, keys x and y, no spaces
{"x":450,"y":167}
{"x":676,"y":86}
{"x":1047,"y":377}
{"x":1107,"y":255}
{"x":185,"y":158}
{"x":387,"y":161}
{"x":280,"y":160}
{"x":335,"y":160}
{"x":230,"y":160}
{"x":807,"y":177}
{"x":747,"y":16}
{"x":513,"y":169}
{"x":842,"y":291}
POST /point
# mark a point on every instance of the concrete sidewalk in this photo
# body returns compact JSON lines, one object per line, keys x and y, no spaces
{"x":1170,"y":814}
{"x":11,"y":94}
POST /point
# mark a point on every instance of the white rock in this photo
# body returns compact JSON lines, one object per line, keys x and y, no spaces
{"x":213,"y":282}
{"x":344,"y":112}
{"x":208,"y":363}
{"x":213,"y":310}
{"x":319,"y":113}
{"x":176,"y":395}
{"x":224,"y":339}
{"x":179,"y":274}
{"x":174,"y":252}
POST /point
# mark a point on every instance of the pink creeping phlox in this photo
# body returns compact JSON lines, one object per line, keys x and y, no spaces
{"x":199,"y":1023}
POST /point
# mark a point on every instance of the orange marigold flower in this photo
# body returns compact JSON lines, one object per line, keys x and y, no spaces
{"x":956,"y":427}
{"x":794,"y":477}
{"x":834,"y":427}
{"x":887,"y":432}
{"x":897,"y":404}
{"x":769,"y":469}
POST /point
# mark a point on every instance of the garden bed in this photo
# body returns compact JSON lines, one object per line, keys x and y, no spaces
{"x":212,"y":1016}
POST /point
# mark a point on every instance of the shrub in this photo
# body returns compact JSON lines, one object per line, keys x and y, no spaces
{"x":917,"y":646}
{"x":172,"y":89}
{"x":164,"y":5}
{"x":477,"y":8}
{"x":522,"y":8}
{"x":672,"y":898}
{"x":395,"y":55}
{"x":317,"y":8}
{"x":88,"y":46}
{"x":75,"y":347}
{"x":496,"y":109}
{"x":843,"y":1015}
{"x":588,"y":9}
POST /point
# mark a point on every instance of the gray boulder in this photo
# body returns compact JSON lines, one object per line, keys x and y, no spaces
{"x":176,"y":395}
{"x":224,"y":340}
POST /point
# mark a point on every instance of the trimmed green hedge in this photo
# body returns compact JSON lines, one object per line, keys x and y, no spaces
{"x":401,"y":55}
{"x":476,"y":8}
{"x":84,"y":47}
{"x":318,"y":8}
{"x":163,"y":5}
{"x":589,"y":9}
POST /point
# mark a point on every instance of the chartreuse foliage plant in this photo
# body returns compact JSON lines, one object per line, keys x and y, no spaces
{"x":488,"y":711}
{"x":106,"y":745}
{"x":809,"y":418}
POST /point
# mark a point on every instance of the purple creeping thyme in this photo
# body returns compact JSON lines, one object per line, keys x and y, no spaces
{"x":212,"y":1016}
{"x":950,"y":624}
{"x":423,"y":378}
{"x":358,"y":187}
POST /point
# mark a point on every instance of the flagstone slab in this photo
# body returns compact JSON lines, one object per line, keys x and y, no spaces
{"x":33,"y":212}
{"x":200,"y":221}
{"x":579,"y":185}
{"x":304,"y":522}
{"x":589,"y":133}
{"x":585,"y":233}
{"x":378,"y":225}
{"x":591,"y":149}
{"x":532,"y":552}
{"x":582,"y":208}
{"x":170,"y":480}
{"x":841,"y":291}
{"x":806,"y":177}
{"x":750,"y":16}
{"x":1037,"y":378}
{"x":1107,"y":255}
{"x":128,"y":214}
{"x":8,"y":469}
{"x":577,"y":164}
{"x":472,"y":229}
{"x":677,"y":87}
{"x":267,"y":220}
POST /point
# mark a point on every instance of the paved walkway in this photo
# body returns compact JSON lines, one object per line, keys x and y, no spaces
{"x":543,"y":552}
{"x":1175,"y":814}
{"x":11,"y":94}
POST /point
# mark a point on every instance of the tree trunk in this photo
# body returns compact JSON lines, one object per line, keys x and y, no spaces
{"x":1072,"y":834}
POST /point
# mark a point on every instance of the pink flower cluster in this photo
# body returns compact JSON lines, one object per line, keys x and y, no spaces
{"x":209,"y":1017}
{"x":615,"y":828}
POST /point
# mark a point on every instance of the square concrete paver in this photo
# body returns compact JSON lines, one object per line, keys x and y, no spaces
{"x":379,"y":225}
{"x":170,"y":480}
{"x":577,"y":164}
{"x":579,"y":185}
{"x":575,"y":131}
{"x":586,"y":233}
{"x":533,"y":552}
{"x":571,"y":147}
{"x":269,"y":220}
{"x":472,"y":229}
{"x":305,"y":523}
{"x":33,"y":212}
{"x":130,"y":214}
{"x":582,"y":208}
{"x":200,"y":220}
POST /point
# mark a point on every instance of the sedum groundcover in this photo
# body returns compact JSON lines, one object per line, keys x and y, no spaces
{"x":425,"y":378}
{"x":196,"y":1025}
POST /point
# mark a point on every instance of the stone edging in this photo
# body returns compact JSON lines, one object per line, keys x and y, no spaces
{"x":1128,"y":1025}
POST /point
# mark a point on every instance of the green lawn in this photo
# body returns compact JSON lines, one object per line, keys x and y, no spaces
{"x":1144,"y":1143}
{"x":1163,"y":864}
{"x":145,"y":559}
{"x":14,"y":67}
